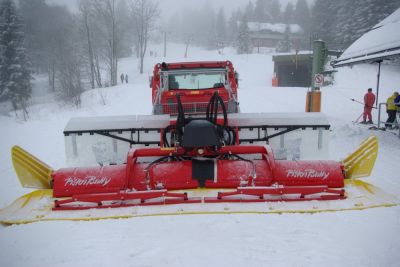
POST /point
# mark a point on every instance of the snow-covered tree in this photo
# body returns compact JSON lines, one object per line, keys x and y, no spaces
{"x":340,"y":23}
{"x":38,"y":18}
{"x":357,"y":17}
{"x":243,"y":37}
{"x":15,"y":73}
{"x":285,"y":45}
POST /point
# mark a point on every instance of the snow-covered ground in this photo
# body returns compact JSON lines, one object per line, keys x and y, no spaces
{"x":351,"y":238}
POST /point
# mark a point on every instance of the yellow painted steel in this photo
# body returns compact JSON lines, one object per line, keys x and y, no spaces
{"x":31,"y":172}
{"x":198,"y":213}
{"x":38,"y":195}
{"x":361,"y":162}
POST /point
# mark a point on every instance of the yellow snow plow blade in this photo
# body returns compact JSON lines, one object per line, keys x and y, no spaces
{"x":31,"y":172}
{"x":37,"y":206}
{"x":361,"y":162}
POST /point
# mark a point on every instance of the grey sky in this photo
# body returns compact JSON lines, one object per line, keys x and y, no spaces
{"x":172,"y":7}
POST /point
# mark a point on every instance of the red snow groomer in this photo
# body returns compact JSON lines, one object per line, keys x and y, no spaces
{"x":194,"y":151}
{"x":198,"y":153}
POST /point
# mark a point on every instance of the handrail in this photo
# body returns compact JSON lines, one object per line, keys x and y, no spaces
{"x":396,"y":122}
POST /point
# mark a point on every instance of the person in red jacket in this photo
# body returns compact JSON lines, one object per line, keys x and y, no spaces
{"x":369,"y":101}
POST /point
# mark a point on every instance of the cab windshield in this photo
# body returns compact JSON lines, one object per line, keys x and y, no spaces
{"x":195,"y":80}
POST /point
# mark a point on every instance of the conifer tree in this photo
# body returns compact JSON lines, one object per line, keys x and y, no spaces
{"x":273,"y":8}
{"x":233,"y":28}
{"x":259,"y":11}
{"x":243,"y":37}
{"x":288,"y":14}
{"x":302,"y":16}
{"x":340,"y":23}
{"x":15,"y":73}
{"x":221,"y":27}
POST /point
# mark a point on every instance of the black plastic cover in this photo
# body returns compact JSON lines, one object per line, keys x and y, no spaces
{"x":202,"y":170}
{"x":200,"y":133}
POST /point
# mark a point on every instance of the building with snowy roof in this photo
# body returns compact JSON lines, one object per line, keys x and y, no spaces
{"x":380,"y":43}
{"x":271,"y":35}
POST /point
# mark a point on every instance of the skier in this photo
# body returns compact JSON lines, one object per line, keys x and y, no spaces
{"x":122,"y":78}
{"x":391,"y":110}
{"x":397,"y":103}
{"x":369,"y":100}
{"x":126,"y":78}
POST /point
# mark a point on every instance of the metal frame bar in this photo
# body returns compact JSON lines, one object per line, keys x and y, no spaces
{"x":288,"y":129}
{"x":379,"y":118}
{"x":108,"y":133}
{"x":193,"y":71}
{"x":164,"y":197}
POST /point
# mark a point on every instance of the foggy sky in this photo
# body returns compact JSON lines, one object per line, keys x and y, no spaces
{"x":172,"y":7}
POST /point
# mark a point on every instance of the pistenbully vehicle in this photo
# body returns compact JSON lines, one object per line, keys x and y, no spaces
{"x":205,"y":160}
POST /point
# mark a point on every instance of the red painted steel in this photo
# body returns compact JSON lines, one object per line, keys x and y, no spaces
{"x":303,"y":173}
{"x":145,"y":183}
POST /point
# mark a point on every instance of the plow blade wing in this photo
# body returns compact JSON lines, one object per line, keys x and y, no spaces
{"x":31,"y":172}
{"x":38,"y":206}
{"x":361,"y":162}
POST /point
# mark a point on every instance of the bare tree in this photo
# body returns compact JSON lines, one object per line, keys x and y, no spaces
{"x":105,"y":11}
{"x":92,"y":44}
{"x":70,"y":78}
{"x":68,"y":62}
{"x":144,"y":14}
{"x":85,"y":13}
{"x":187,"y":43}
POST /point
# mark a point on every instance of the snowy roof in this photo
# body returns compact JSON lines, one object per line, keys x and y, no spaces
{"x":274,"y":27}
{"x":380,"y":42}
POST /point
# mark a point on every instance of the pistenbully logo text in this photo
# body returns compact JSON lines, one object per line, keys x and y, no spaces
{"x":88,"y":180}
{"x":307,"y":173}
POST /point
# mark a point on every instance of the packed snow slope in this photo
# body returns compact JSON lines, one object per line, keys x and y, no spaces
{"x":352,"y":238}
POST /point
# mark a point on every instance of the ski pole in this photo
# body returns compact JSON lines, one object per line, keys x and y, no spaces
{"x":356,"y":121}
{"x":352,"y":99}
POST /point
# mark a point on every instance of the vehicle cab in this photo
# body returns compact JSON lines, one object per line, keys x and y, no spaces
{"x":195,"y":82}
